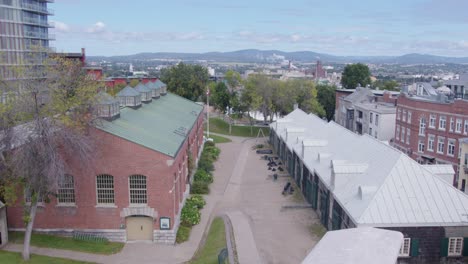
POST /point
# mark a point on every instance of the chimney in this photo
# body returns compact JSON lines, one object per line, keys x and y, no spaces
{"x":296,"y":106}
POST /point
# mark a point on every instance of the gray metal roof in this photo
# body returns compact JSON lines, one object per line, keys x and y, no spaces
{"x":128,"y":91}
{"x":361,"y":95}
{"x":105,"y":98}
{"x":376,"y":184}
{"x":160,"y":83}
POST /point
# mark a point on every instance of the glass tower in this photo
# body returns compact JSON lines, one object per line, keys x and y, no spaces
{"x":24,"y":34}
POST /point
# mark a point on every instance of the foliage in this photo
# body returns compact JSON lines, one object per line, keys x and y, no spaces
{"x":215,"y":241}
{"x":13,"y":257}
{"x":196,"y":200}
{"x":219,"y":139}
{"x":389,"y":85}
{"x":190,"y":215}
{"x":186,"y":80}
{"x":203,"y":176}
{"x":199,"y":187}
{"x":326,"y":97}
{"x":67,"y":243}
{"x":233,"y":79}
{"x":183,"y":234}
{"x":206,"y":163}
{"x":116,"y":89}
{"x":56,"y":107}
{"x":209,"y":144}
{"x":220,"y":96}
{"x":190,"y":163}
{"x":212,"y":152}
{"x":354,"y":75}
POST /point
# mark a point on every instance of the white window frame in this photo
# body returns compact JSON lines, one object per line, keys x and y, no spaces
{"x":422,"y":126}
{"x":421,"y":146}
{"x":405,"y":248}
{"x":410,"y":114}
{"x":138,"y":190}
{"x":107,"y":191}
{"x":27,"y":198}
{"x":432,"y":120}
{"x":430,"y":142}
{"x":451,"y":147}
{"x":440,"y":141}
{"x":452,"y":125}
{"x":453,"y":250}
{"x":397,"y":136}
{"x":466,"y":128}
{"x":458,"y":126}
{"x":376,"y":119}
{"x":404,"y":116}
{"x":443,"y":123}
{"x":408,"y":135}
{"x":370,"y":131}
{"x":403,"y":134}
{"x":371,"y":115}
{"x":398,"y":117}
{"x":66,"y":190}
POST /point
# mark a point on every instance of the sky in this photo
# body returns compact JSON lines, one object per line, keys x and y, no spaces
{"x":337,"y":27}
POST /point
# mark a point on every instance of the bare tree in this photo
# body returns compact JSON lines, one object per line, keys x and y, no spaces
{"x":45,"y":125}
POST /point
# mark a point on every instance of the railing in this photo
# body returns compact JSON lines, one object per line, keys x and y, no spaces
{"x":32,"y":34}
{"x":36,"y":21}
{"x":37,"y":8}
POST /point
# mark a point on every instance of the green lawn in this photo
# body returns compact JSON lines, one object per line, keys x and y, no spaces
{"x":219,"y":139}
{"x":14,"y":257}
{"x":219,"y":126}
{"x":215,"y":241}
{"x":49,"y":241}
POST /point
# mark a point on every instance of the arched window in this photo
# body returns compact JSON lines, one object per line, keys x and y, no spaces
{"x":105,"y":189}
{"x":66,"y":190}
{"x":137,"y":185}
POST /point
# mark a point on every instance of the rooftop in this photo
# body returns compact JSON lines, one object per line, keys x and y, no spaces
{"x":385,"y":188}
{"x":161,"y":125}
{"x":381,"y":108}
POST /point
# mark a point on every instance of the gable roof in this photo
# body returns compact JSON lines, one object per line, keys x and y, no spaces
{"x":161,"y":125}
{"x":142,"y":88}
{"x":128,"y":91}
{"x":374,"y":183}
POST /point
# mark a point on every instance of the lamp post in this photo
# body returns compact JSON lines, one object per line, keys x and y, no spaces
{"x":208,"y":113}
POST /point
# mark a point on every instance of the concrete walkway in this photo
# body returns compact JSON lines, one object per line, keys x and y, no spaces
{"x":244,"y":191}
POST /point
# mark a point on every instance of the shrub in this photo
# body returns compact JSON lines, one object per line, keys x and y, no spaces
{"x":190,"y":215}
{"x":209,"y":143}
{"x":199,"y":187}
{"x":212,"y":152}
{"x":206,"y":164}
{"x":203,"y":176}
{"x":183,"y":234}
{"x":196,"y":201}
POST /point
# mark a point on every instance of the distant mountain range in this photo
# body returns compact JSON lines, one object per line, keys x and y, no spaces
{"x":263,"y":56}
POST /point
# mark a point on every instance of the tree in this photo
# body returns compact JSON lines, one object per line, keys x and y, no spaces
{"x":220,"y":96}
{"x":233,"y":79}
{"x":186,"y":80}
{"x":389,"y":85}
{"x":326,"y":97}
{"x":306,"y":97}
{"x":43,"y":126}
{"x":355,"y":74}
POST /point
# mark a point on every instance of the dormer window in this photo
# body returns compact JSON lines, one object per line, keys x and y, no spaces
{"x":107,"y":106}
{"x":146,"y":93}
{"x":129,"y":97}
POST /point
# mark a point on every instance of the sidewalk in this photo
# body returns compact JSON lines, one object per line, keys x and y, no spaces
{"x":246,"y":247}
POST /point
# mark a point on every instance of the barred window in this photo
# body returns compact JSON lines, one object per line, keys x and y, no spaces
{"x":27,"y":196}
{"x":405,"y":248}
{"x":105,"y":189}
{"x":66,"y":190}
{"x":455,"y":246}
{"x":137,"y":189}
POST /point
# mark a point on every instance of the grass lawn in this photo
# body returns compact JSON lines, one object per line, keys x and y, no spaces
{"x":215,"y":241}
{"x":219,"y":139}
{"x":14,"y":257}
{"x":49,"y":241}
{"x":221,"y":127}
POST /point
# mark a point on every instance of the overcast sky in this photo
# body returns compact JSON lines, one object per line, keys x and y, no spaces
{"x":338,"y":27}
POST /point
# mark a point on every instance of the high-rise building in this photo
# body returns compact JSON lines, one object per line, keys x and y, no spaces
{"x":24,"y":34}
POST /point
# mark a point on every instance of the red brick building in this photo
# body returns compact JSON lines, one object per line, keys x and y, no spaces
{"x":138,"y":182}
{"x":429,"y":130}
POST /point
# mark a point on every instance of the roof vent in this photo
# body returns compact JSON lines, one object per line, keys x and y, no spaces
{"x":181,"y":131}
{"x":107,"y":106}
{"x":146,"y":93}
{"x":129,"y":97}
{"x":366,"y":192}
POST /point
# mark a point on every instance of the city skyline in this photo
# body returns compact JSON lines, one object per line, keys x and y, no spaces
{"x":335,"y":27}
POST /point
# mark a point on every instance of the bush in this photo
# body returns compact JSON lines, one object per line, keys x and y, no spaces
{"x":196,"y":201}
{"x":183,"y":234}
{"x":190,"y":215}
{"x":212,"y":152}
{"x":209,"y":144}
{"x":199,"y":187}
{"x":206,"y":164}
{"x":203,"y":176}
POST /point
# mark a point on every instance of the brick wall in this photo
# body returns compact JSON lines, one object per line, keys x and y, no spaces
{"x":119,"y":158}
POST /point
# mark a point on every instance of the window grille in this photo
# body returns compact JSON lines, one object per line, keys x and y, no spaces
{"x":405,"y":248}
{"x":66,"y":190}
{"x":105,"y":189}
{"x":138,"y":189}
{"x":455,"y":246}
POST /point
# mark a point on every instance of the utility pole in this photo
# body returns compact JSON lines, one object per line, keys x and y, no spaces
{"x":208,"y":113}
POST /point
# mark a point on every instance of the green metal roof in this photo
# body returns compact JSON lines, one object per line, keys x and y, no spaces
{"x":105,"y":98}
{"x":161,"y":125}
{"x":142,"y":88}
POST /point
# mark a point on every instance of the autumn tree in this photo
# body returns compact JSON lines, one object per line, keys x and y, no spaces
{"x":354,"y":75}
{"x":186,"y":80}
{"x":43,"y":125}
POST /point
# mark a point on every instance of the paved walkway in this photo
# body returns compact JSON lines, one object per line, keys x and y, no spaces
{"x":243,"y":190}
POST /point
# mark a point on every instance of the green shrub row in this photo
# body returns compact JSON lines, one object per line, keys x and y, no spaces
{"x":203,"y":176}
{"x":189,"y":217}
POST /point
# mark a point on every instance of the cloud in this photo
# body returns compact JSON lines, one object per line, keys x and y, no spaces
{"x":98,"y":27}
{"x":60,"y":26}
